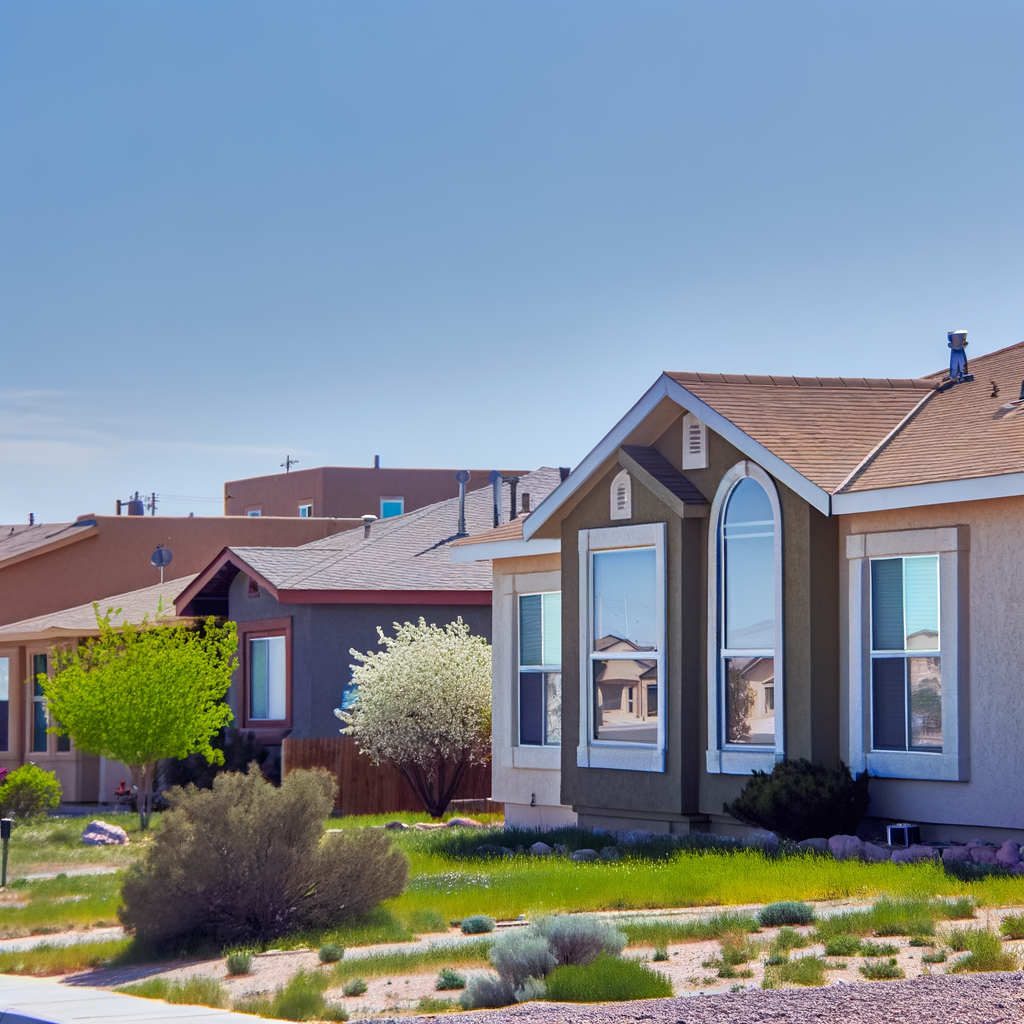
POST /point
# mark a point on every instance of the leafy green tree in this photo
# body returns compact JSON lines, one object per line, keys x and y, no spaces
{"x":141,"y":692}
{"x":424,"y":705}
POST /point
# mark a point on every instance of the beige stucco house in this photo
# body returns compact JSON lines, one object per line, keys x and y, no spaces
{"x":747,"y":569}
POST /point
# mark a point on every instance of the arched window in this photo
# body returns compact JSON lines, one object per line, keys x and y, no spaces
{"x":745,"y":707}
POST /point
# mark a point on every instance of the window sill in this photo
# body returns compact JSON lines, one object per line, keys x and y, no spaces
{"x":900,"y":764}
{"x":741,"y":762}
{"x":622,"y":758}
{"x":546,"y":758}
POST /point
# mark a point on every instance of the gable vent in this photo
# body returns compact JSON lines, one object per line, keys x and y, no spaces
{"x":622,"y":496}
{"x":695,"y":443}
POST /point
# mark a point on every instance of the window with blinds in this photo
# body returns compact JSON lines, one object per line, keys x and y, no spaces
{"x":540,"y":669}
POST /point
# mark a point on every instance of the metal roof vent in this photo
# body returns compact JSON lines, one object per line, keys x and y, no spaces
{"x":462,"y":478}
{"x":621,"y":496}
{"x":958,"y":357}
{"x":695,"y":443}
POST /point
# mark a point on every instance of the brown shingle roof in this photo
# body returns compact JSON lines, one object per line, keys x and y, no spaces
{"x":512,"y":530}
{"x":959,"y":434}
{"x":823,"y":427}
{"x":18,"y":542}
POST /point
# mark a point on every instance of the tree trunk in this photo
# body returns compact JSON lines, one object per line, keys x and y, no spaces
{"x":142,"y":779}
{"x":435,"y":789}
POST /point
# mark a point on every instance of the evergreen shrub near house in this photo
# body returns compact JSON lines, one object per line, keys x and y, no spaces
{"x":29,"y":791}
{"x":800,"y":800}
{"x":246,"y":861}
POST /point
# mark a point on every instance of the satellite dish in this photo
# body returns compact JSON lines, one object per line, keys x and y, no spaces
{"x":462,"y":477}
{"x":161,"y":557}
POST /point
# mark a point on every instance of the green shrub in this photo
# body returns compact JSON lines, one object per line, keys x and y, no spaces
{"x":788,"y":939}
{"x":938,"y":957}
{"x":881,"y":970}
{"x":1013,"y":926}
{"x":301,"y":999}
{"x":486,"y":992}
{"x":578,"y":941}
{"x":531,"y":989}
{"x":799,"y":800}
{"x":521,"y":954}
{"x":842,"y":945}
{"x":247,"y":861}
{"x":478,"y":924}
{"x":449,"y":979}
{"x":239,"y":962}
{"x":878,"y":949}
{"x":986,"y":952}
{"x":428,"y":1004}
{"x":660,"y":954}
{"x":329,"y":953}
{"x":607,"y":979}
{"x":193,"y":991}
{"x":805,"y":970}
{"x":922,"y":940}
{"x":355,"y":987}
{"x":786,"y":912}
{"x":29,"y":791}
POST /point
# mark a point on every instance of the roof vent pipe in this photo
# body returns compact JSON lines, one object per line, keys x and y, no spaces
{"x":957,"y":356}
{"x":376,"y":462}
{"x":563,"y":472}
{"x":462,"y":478}
{"x":367,"y":521}
{"x":513,"y":483}
{"x":495,"y":481}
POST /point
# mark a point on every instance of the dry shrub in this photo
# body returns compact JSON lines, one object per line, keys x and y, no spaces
{"x":248,"y":861}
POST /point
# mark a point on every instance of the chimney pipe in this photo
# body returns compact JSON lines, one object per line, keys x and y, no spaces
{"x":526,"y":502}
{"x":367,"y":521}
{"x":462,"y":478}
{"x":513,"y":483}
{"x":563,"y":472}
{"x":31,"y":519}
{"x":495,"y":481}
{"x":376,"y":462}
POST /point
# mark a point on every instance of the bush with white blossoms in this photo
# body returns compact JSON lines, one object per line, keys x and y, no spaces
{"x":424,"y":705}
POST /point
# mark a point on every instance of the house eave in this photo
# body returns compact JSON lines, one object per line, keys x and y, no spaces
{"x":944,"y":492}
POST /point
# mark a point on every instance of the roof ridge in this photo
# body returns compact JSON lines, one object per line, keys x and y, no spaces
{"x":785,"y":380}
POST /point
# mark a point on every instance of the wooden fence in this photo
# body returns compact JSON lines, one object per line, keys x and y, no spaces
{"x":365,"y":788}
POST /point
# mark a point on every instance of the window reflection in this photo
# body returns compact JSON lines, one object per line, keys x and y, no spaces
{"x":750,"y":701}
{"x":623,"y":708}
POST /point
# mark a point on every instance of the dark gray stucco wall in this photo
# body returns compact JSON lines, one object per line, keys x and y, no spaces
{"x":323,"y":635}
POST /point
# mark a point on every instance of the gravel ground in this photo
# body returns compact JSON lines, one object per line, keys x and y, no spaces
{"x":975,"y":999}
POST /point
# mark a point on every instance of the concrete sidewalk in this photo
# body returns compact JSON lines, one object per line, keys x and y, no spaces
{"x":45,"y":1001}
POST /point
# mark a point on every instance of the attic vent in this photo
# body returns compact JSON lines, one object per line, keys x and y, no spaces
{"x":622,"y":496}
{"x":695,"y":443}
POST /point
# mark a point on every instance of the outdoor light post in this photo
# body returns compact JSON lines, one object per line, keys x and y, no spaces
{"x":5,"y":835}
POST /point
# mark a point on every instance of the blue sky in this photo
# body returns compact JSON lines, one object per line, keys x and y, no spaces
{"x":471,"y":234}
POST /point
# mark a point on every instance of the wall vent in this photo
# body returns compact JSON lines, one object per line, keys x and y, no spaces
{"x":695,"y":443}
{"x":622,"y":496}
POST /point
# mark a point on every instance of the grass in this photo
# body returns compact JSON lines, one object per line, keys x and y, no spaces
{"x":607,"y":979}
{"x":805,"y":970}
{"x":449,"y":980}
{"x":46,"y":959}
{"x":431,"y":1004}
{"x":985,"y":952}
{"x":301,"y":999}
{"x":662,"y":931}
{"x":881,"y":970}
{"x":1013,"y":926}
{"x":843,"y":945}
{"x":60,"y":904}
{"x":938,"y":957}
{"x":868,"y":948}
{"x":434,"y":957}
{"x":894,"y":917}
{"x":55,"y":843}
{"x":194,"y":991}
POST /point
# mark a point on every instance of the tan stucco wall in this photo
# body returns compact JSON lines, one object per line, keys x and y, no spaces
{"x":995,"y":571}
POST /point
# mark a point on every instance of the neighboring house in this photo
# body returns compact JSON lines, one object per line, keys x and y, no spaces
{"x":300,"y":611}
{"x":26,"y":649}
{"x":47,"y":567}
{"x":346,"y":492}
{"x":789,"y":567}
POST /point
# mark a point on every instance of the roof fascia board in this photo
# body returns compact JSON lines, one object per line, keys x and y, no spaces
{"x":42,"y":549}
{"x":814,"y":495}
{"x":512,"y":548}
{"x":660,"y":491}
{"x":943,"y":492}
{"x":598,"y":456}
{"x":47,"y":633}
{"x":474,"y":597}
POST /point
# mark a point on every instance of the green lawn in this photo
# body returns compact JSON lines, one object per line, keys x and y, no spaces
{"x":55,"y":844}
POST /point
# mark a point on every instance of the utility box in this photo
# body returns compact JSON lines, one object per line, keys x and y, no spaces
{"x":903,"y":834}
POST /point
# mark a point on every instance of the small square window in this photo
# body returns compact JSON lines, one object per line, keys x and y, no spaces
{"x":390,"y":507}
{"x":254,"y":512}
{"x":306,"y":511}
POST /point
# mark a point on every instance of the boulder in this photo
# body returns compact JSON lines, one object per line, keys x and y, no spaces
{"x":561,"y":849}
{"x":952,"y":853}
{"x":507,"y":851}
{"x":1008,"y":855}
{"x":541,"y":850}
{"x":584,"y":855}
{"x":982,"y":853}
{"x":463,"y":823}
{"x":845,"y":847}
{"x":611,"y":853}
{"x":489,"y":850}
{"x":913,"y":854}
{"x":102,"y":833}
{"x":874,"y":854}
{"x":815,"y":845}
{"x":397,"y":826}
{"x":760,"y":839}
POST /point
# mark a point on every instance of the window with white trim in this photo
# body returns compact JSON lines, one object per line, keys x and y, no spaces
{"x":390,"y":507}
{"x":306,"y":510}
{"x":540,"y":669}
{"x":622,"y":618}
{"x":268,"y":679}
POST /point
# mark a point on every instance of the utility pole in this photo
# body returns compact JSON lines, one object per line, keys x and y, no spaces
{"x":288,"y":463}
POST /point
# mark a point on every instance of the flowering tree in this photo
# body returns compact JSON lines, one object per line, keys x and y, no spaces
{"x":424,"y":705}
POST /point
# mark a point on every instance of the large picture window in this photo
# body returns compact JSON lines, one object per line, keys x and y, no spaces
{"x":540,"y":669}
{"x":906,"y":659}
{"x":268,"y":679}
{"x":622,"y":604}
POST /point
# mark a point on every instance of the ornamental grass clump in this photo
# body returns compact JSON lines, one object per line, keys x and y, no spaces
{"x":248,"y":861}
{"x":882,"y":970}
{"x":239,"y":963}
{"x":985,"y":952}
{"x":193,"y":991}
{"x":449,"y":980}
{"x":786,"y":912}
{"x":805,"y":970}
{"x":578,"y":941}
{"x":606,"y":979}
{"x":356,"y":987}
{"x":301,"y":999}
{"x":478,"y":924}
{"x":330,"y":953}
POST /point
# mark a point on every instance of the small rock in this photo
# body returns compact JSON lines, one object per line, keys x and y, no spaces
{"x":561,"y":849}
{"x":102,"y":833}
{"x":428,"y":826}
{"x":507,"y":851}
{"x":541,"y":850}
{"x":767,"y":841}
{"x":817,"y":845}
{"x":845,"y":847}
{"x":874,"y":854}
{"x":611,"y":853}
{"x":1008,"y":855}
{"x":397,"y":826}
{"x":584,"y":855}
{"x":463,"y":823}
{"x":913,"y":854}
{"x":983,"y":854}
{"x":951,"y":853}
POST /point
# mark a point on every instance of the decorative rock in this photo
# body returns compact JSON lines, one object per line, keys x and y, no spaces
{"x":507,"y":852}
{"x":951,"y":853}
{"x":584,"y":855}
{"x":561,"y":849}
{"x":913,"y":854}
{"x":982,"y":854}
{"x":397,"y":826}
{"x":463,"y":823}
{"x":541,"y":850}
{"x":845,"y":847}
{"x":102,"y":833}
{"x":428,"y":826}
{"x":767,"y":841}
{"x":611,"y":853}
{"x":817,"y":845}
{"x":874,"y":854}
{"x":1008,"y":855}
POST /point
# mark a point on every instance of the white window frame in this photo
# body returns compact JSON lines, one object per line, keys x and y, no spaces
{"x":389,"y":498}
{"x":543,"y":669}
{"x":594,"y":753}
{"x":952,"y":764}
{"x":722,"y":758}
{"x":303,"y":514}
